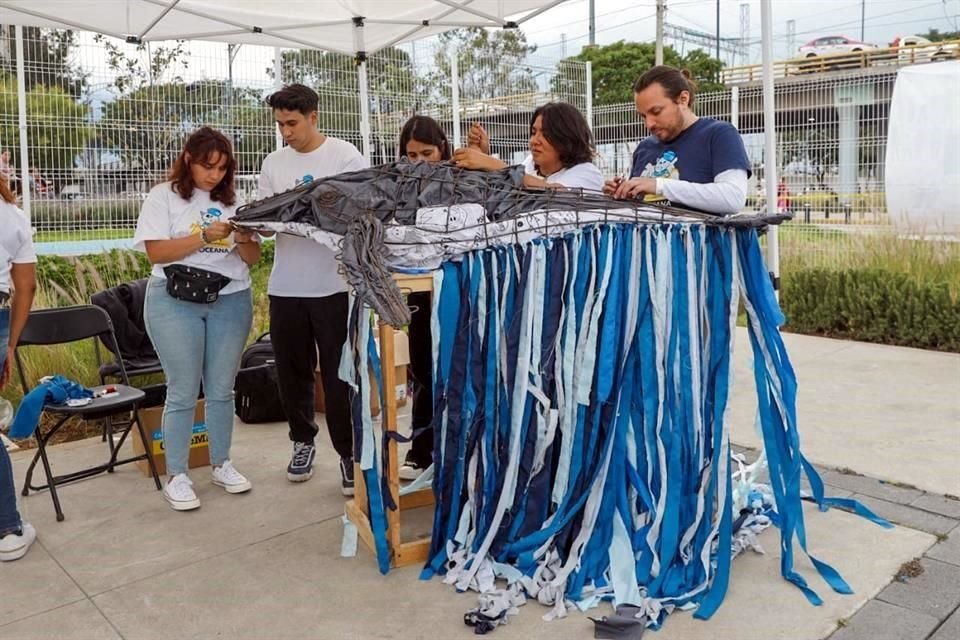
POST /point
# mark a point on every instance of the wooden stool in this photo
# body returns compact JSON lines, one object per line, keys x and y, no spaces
{"x":401,"y":553}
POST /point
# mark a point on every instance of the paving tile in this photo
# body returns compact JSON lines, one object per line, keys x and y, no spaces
{"x":883,"y":621}
{"x":297,"y":585}
{"x":908,"y":516}
{"x":949,"y":630}
{"x":871,"y":487}
{"x":935,"y":592}
{"x":41,"y":585}
{"x":949,"y":507}
{"x":78,"y":621}
{"x":947,"y":550}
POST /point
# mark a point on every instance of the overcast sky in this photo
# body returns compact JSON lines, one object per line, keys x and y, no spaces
{"x":631,"y":20}
{"x":634,"y":20}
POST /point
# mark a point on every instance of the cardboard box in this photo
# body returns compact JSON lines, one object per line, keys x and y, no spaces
{"x":401,"y":359}
{"x":152,"y":424}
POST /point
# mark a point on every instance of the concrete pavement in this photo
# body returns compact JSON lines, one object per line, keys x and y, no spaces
{"x":267,"y":564}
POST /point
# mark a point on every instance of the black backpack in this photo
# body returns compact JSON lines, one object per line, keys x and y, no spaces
{"x":256,"y":395}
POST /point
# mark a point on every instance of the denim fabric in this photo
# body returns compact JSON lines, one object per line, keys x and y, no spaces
{"x":9,"y":517}
{"x":194,"y":342}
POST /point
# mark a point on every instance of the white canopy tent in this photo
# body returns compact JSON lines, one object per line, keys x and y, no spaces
{"x":345,"y":26}
{"x":357,"y":27}
{"x":353,"y":27}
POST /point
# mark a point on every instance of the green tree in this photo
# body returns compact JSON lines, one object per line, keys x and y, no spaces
{"x":934,"y":35}
{"x":57,"y":126}
{"x":334,"y":77}
{"x":493,"y":63}
{"x":130,"y":72}
{"x":46,"y":59}
{"x":615,"y":67}
{"x":147,"y":126}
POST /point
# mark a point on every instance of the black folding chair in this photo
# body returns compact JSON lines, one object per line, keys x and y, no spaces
{"x":47,"y":327}
{"x":124,"y":304}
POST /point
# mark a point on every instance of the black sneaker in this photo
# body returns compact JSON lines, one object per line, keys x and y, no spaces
{"x":346,"y":476}
{"x":411,"y":468}
{"x":300,"y":468}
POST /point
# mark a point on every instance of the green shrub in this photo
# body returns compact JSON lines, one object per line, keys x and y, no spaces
{"x":46,"y":215}
{"x":874,"y":305}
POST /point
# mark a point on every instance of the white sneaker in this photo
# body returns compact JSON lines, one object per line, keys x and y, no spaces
{"x":179,"y":493}
{"x":230,"y":479}
{"x":13,"y":546}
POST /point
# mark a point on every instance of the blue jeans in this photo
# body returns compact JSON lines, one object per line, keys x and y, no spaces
{"x":9,"y":517}
{"x":197,"y":341}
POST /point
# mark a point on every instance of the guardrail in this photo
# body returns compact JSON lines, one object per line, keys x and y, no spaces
{"x":892,"y":57}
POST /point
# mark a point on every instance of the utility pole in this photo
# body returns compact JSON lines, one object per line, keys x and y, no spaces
{"x":593,"y":23}
{"x":718,"y":29}
{"x":791,"y":38}
{"x":745,"y":32}
{"x":863,"y":18}
{"x":661,"y":10}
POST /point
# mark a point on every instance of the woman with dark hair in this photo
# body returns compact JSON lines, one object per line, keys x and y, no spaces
{"x":18,"y":282}
{"x":198,"y":309}
{"x":421,"y":139}
{"x":561,"y":150}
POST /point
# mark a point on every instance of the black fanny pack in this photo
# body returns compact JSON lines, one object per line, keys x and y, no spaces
{"x":194,"y":285}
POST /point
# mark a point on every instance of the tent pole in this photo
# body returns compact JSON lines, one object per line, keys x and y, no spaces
{"x":455,"y":98}
{"x":364,"y":108}
{"x":589,"y":95}
{"x":277,"y":85}
{"x":22,"y":123}
{"x":770,"y":142}
{"x":360,"y":51}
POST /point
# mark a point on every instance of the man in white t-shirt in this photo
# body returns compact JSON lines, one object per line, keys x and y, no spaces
{"x":308,"y":296}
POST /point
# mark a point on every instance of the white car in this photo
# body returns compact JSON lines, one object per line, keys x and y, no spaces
{"x":830,"y":45}
{"x":911,"y":49}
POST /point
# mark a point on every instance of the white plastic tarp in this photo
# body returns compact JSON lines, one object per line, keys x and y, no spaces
{"x":923,"y":168}
{"x":317,"y":24}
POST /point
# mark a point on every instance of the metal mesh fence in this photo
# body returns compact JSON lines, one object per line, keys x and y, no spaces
{"x":105,"y":119}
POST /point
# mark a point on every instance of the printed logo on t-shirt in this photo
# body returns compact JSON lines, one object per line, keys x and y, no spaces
{"x":207,"y":218}
{"x":306,"y":179}
{"x":665,"y":167}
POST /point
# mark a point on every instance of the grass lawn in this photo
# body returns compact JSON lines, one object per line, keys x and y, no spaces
{"x":83,"y":234}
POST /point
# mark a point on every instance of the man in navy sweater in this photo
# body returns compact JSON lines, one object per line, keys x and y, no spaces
{"x":688,"y":161}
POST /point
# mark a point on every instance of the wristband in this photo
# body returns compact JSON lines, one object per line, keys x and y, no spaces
{"x":203,"y":236}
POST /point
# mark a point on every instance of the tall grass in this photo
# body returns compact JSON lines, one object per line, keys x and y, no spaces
{"x":71,"y":281}
{"x":875,"y":286}
{"x":924,"y":261}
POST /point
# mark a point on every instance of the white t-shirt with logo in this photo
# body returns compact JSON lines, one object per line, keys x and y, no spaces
{"x":166,"y":216}
{"x":16,"y":242}
{"x":303,"y":268}
{"x":585,"y":175}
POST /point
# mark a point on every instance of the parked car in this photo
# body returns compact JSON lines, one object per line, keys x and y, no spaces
{"x":73,"y":192}
{"x":911,"y":49}
{"x":829,"y":45}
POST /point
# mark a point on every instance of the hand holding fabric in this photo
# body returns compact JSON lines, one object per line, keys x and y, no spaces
{"x":476,"y":159}
{"x":217,"y":231}
{"x":477,"y":138}
{"x":635,"y":188}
